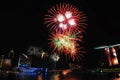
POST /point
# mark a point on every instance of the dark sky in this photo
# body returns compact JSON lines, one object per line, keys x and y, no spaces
{"x":22,"y":24}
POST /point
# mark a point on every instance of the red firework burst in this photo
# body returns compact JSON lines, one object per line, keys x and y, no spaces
{"x":65,"y":17}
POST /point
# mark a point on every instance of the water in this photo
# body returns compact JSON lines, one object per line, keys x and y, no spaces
{"x":54,"y":76}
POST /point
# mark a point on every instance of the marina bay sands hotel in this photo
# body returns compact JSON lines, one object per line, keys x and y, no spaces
{"x":111,"y":52}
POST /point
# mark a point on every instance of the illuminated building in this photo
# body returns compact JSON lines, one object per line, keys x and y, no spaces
{"x":111,"y":54}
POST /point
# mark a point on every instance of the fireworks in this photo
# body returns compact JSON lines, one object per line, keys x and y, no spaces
{"x":55,"y":57}
{"x":65,"y":17}
{"x":32,"y":50}
{"x":66,"y":24}
{"x":66,"y":43}
{"x":62,"y":42}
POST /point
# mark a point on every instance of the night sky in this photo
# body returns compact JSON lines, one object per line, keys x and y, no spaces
{"x":22,"y":24}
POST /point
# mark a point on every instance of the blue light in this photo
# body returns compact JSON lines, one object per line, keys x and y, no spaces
{"x":33,"y":70}
{"x":46,"y":70}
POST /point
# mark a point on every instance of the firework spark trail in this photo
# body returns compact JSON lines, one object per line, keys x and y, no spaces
{"x":65,"y":17}
{"x":66,"y":43}
{"x":66,"y":24}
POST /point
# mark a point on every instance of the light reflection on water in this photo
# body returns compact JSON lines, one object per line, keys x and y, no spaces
{"x":116,"y":78}
{"x":54,"y":76}
{"x":39,"y":77}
